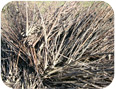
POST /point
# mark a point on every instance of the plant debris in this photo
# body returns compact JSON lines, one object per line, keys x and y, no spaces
{"x":60,"y":47}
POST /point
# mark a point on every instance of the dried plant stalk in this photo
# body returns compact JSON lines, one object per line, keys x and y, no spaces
{"x":57,"y":45}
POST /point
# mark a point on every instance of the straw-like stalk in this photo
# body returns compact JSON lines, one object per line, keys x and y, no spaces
{"x":64,"y":46}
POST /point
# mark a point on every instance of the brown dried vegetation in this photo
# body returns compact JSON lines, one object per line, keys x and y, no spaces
{"x":66,"y":46}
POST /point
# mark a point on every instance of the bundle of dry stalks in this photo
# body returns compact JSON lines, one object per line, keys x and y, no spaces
{"x":65,"y":46}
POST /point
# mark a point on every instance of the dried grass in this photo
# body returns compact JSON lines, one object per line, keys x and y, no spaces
{"x":66,"y":46}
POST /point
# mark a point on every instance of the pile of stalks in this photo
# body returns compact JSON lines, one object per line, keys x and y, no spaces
{"x":60,"y":46}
